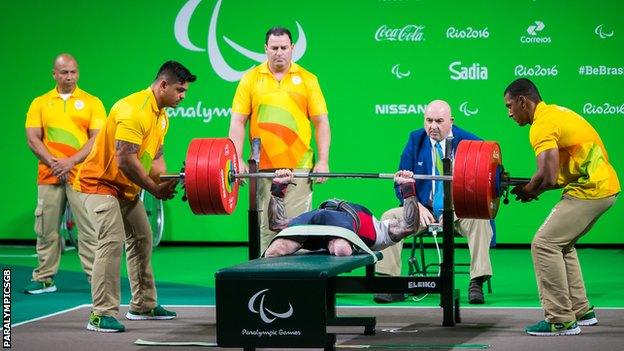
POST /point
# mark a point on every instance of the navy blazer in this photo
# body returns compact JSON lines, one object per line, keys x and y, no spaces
{"x":416,"y":157}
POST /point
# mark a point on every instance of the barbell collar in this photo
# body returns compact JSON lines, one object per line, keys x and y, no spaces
{"x":166,"y":177}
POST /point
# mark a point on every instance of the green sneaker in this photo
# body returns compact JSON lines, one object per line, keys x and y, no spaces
{"x":544,"y":328}
{"x":589,"y":318}
{"x":104,"y":324}
{"x":35,"y":288}
{"x":156,"y":313}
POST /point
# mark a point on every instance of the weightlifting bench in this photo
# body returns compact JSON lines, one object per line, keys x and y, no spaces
{"x":285,"y":301}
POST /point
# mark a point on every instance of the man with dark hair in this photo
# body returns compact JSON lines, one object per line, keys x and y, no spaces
{"x":277,"y":31}
{"x":281,"y":100}
{"x":338,"y":226}
{"x":128,"y":155}
{"x":570,"y":155}
{"x":60,"y":128}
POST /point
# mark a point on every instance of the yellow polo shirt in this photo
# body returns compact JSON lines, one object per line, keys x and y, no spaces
{"x":65,"y":125}
{"x":280,"y":112}
{"x":135,"y":119}
{"x":584,"y":168}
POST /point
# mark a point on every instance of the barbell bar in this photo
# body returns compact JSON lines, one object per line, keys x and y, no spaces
{"x":211,"y":177}
{"x":508,"y":181}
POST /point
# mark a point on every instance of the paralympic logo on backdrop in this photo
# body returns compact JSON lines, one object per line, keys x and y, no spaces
{"x":397,"y":72}
{"x":472,"y":72}
{"x":603,"y":35}
{"x":466,"y":110}
{"x":217,"y":61}
{"x":534,"y":30}
{"x":265,"y":312}
{"x":409,"y":32}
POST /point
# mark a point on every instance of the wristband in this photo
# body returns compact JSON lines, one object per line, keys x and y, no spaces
{"x":278,"y":189}
{"x":408,"y":190}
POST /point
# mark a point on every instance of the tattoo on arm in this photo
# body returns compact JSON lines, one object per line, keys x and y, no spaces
{"x":126,"y":148}
{"x":159,"y":153}
{"x":277,"y":214}
{"x":400,"y":228}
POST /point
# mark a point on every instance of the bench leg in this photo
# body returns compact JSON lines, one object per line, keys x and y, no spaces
{"x":330,"y":343}
{"x":456,"y":306}
{"x":368,"y":323}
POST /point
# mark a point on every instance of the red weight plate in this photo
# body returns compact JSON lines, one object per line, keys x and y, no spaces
{"x":459,"y":169}
{"x":190,"y":176}
{"x":470,"y":183}
{"x":486,"y":201}
{"x":204,"y":192}
{"x":215,"y":179}
{"x":481,"y":165}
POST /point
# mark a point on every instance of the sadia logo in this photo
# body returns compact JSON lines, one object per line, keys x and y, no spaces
{"x":534,"y":30}
{"x":410,"y":32}
{"x":220,"y":66}
{"x":602,"y":33}
{"x":467,"y":111}
{"x":472,"y":72}
{"x":266,"y":314}
{"x":397,"y":72}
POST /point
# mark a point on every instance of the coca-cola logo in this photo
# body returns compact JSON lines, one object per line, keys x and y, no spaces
{"x":410,"y":32}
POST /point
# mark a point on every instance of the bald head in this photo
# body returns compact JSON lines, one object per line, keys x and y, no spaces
{"x":65,"y":73}
{"x":438,"y":120}
{"x":62,"y":59}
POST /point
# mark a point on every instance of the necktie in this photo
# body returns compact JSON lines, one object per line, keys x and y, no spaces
{"x":438,"y":194}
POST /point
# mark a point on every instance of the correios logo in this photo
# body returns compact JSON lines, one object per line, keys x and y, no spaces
{"x":467,"y":111}
{"x":534,"y":30}
{"x":266,"y":314}
{"x":217,"y":61}
{"x":409,"y":32}
{"x":397,"y":72}
{"x":472,"y":72}
{"x":602,"y":33}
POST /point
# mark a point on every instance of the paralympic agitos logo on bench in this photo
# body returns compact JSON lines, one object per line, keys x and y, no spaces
{"x":268,"y":316}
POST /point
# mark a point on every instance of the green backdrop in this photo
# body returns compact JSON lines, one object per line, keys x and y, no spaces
{"x":378,"y":61}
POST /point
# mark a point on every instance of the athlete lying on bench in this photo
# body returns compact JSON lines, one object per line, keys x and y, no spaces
{"x":376,"y":234}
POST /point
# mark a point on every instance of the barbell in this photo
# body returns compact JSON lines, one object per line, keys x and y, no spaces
{"x":211,"y":178}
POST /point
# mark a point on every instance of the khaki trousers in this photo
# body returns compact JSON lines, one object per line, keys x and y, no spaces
{"x":477,"y":231}
{"x":557,"y":269}
{"x":298,"y":200}
{"x":51,"y":201}
{"x":118,"y":221}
